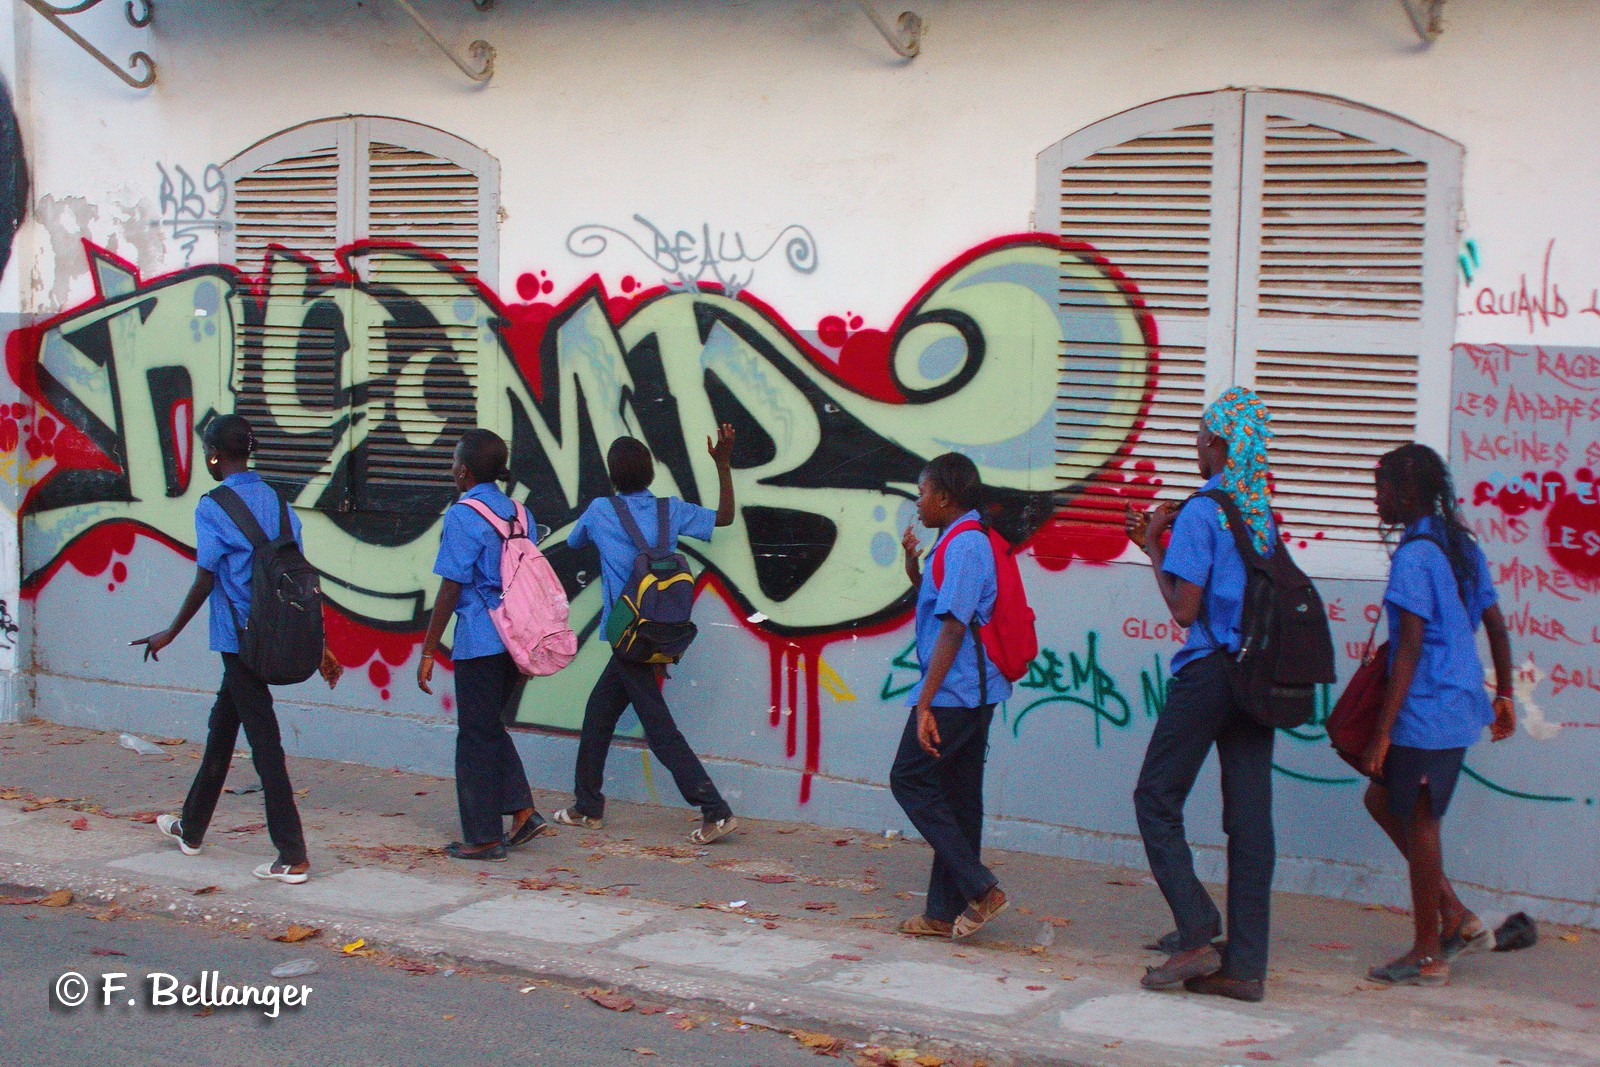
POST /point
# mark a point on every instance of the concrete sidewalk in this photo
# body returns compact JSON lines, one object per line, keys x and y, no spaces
{"x":811,"y":946}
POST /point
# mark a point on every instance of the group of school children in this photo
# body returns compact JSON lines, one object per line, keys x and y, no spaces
{"x":1434,"y":707}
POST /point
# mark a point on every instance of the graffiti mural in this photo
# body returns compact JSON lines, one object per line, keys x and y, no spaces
{"x":361,"y":374}
{"x":192,"y":206}
{"x":699,"y":260}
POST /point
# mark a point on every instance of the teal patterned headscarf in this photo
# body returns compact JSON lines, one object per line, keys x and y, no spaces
{"x":1241,"y":419}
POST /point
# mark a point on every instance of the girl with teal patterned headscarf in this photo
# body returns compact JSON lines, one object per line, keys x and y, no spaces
{"x":1242,"y":420}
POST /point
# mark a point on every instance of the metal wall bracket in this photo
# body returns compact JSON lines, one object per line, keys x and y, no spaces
{"x":907,"y":42}
{"x":139,"y":13}
{"x":482,"y":52}
{"x":1427,"y":18}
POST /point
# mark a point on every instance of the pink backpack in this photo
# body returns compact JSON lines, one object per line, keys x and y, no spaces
{"x":532,"y":616}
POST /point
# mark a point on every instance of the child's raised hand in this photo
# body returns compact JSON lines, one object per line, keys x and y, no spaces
{"x":722,"y":448}
{"x":909,"y":542}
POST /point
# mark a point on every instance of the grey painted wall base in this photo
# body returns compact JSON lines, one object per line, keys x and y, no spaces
{"x":426,"y":746}
{"x":14,"y":697}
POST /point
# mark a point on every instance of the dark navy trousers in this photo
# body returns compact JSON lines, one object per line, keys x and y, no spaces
{"x":1200,"y":712}
{"x":490,"y":780}
{"x":244,"y":700}
{"x":622,"y":683}
{"x":943,"y":798}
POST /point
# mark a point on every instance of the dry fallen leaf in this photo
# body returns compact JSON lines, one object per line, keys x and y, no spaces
{"x":80,"y":823}
{"x":1332,"y":946}
{"x":847,"y":956}
{"x":1055,"y":920}
{"x":685,"y":1024}
{"x":298,"y":933}
{"x":819,"y":905}
{"x":170,"y":741}
{"x":926,"y":1060}
{"x":206,"y":890}
{"x":823,"y":1044}
{"x":59,"y":899}
{"x":771,"y":879}
{"x":247,"y":828}
{"x":1574,"y":938}
{"x":106,"y":952}
{"x":356,"y":946}
{"x":1035,"y":988}
{"x":609,"y":999}
{"x":20,"y":900}
{"x":645,"y":1051}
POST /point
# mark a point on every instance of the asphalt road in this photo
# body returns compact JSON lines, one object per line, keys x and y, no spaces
{"x":360,"y":1010}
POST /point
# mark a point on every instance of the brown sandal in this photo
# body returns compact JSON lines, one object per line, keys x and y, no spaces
{"x":922,"y":926}
{"x":979,"y":912}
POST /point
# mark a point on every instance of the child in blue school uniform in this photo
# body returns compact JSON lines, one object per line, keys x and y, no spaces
{"x":1435,"y":706}
{"x":490,"y":781}
{"x":937,"y":776}
{"x":223,"y":560}
{"x":1201,"y":576}
{"x":624,"y":682}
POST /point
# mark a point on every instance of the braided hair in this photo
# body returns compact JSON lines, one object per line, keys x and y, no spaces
{"x":1421,"y":471}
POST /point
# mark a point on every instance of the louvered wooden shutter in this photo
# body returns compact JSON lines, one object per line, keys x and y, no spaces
{"x":401,"y":349}
{"x":1346,"y":298}
{"x":422,"y":190}
{"x":291,"y":366}
{"x":1154,"y":193}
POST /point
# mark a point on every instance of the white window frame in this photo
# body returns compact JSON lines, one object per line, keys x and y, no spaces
{"x":1228,"y":334}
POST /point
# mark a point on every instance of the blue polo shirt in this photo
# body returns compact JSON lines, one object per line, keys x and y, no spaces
{"x":599,"y":526}
{"x":469,"y":553}
{"x":967,"y":592}
{"x":223,"y":549}
{"x":1446,"y":706}
{"x":1202,"y":552}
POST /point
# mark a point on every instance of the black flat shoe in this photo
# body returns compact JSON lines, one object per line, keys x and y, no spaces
{"x":1171,"y":943}
{"x":1250,"y":990}
{"x":495,"y":853}
{"x":534,"y":827}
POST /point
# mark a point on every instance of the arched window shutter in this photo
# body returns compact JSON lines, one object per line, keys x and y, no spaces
{"x":1346,"y":299}
{"x":290,"y":371}
{"x":1153,"y":192}
{"x":401,"y":352}
{"x":1294,"y":243}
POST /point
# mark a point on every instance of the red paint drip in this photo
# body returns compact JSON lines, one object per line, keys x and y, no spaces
{"x":787,"y":659}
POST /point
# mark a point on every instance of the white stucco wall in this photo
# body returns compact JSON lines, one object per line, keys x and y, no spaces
{"x":749,"y":117}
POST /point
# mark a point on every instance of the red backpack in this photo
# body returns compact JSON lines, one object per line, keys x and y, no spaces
{"x":1008,"y":637}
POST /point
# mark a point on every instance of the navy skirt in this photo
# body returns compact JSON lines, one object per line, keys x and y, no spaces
{"x":1407,"y":769}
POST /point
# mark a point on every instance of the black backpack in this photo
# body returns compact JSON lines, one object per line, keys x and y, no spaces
{"x":649,"y":623}
{"x":1285,"y":643}
{"x":281,"y":641}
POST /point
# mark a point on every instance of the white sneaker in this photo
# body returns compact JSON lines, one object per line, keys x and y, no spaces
{"x":173,"y":828}
{"x":281,"y":872}
{"x":569,"y":817}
